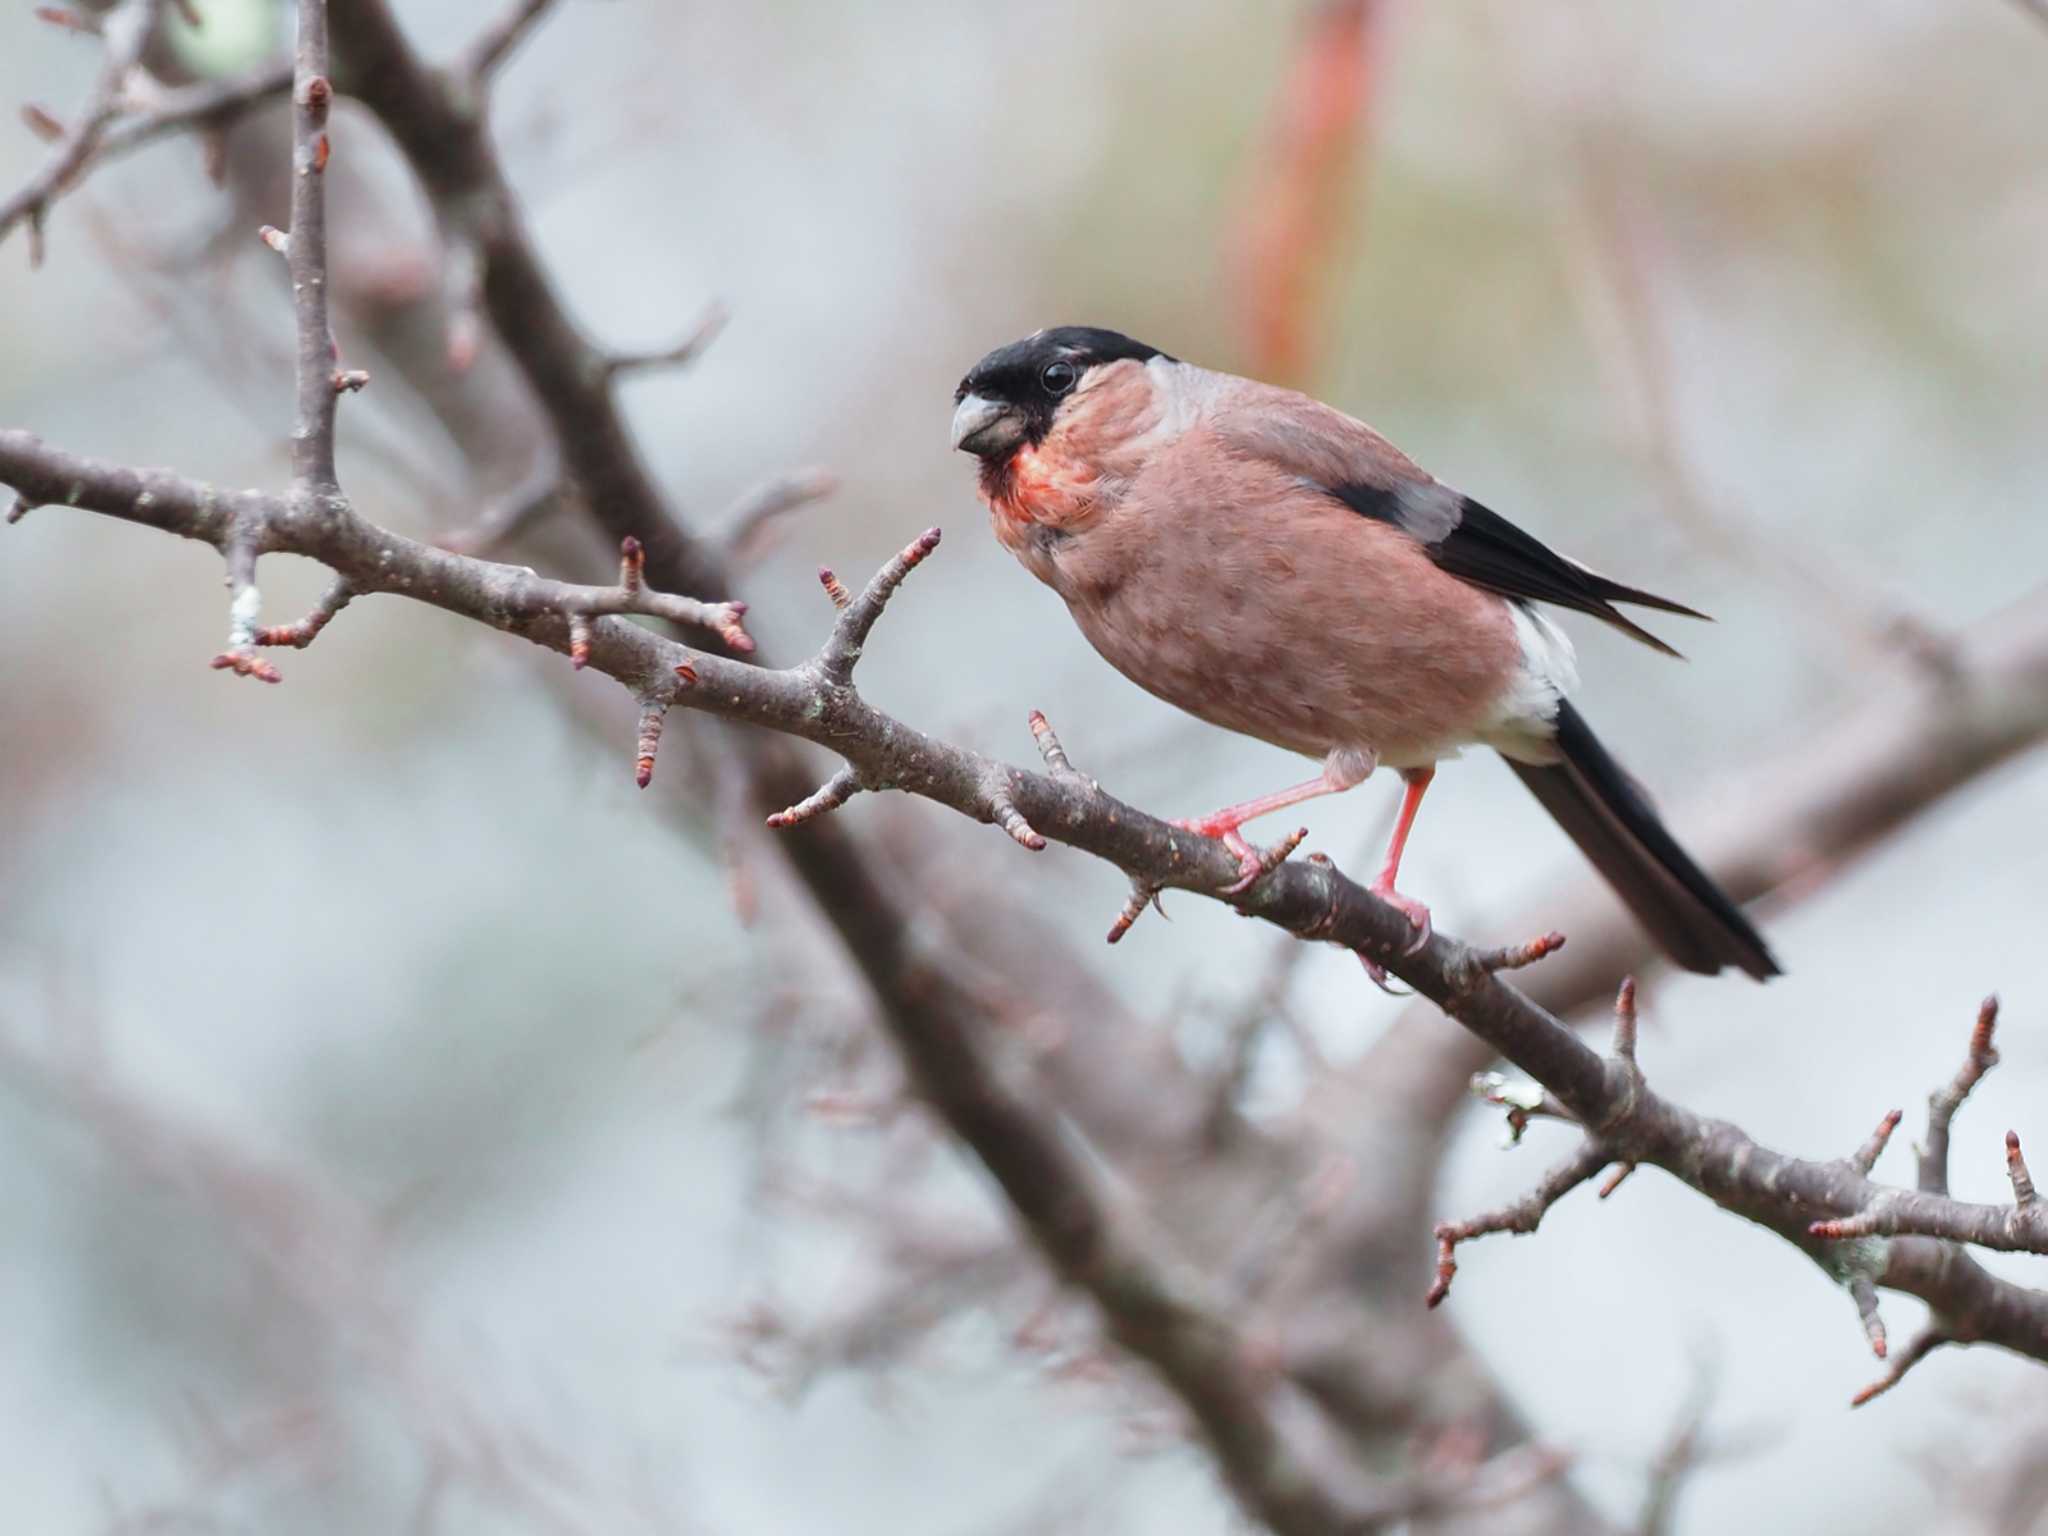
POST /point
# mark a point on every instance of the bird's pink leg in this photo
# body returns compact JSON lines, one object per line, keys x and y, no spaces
{"x":1342,"y":770}
{"x":1417,"y":785}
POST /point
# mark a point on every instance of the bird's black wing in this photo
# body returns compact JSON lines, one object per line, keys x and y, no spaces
{"x":1478,"y":545}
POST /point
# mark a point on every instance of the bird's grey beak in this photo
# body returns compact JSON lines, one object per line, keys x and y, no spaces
{"x":986,"y":427}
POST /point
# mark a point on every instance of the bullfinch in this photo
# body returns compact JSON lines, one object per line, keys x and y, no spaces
{"x":1277,"y":568}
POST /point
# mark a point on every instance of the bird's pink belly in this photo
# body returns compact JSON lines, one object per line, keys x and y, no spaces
{"x":1260,"y":665}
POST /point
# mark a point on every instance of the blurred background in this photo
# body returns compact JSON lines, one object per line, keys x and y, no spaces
{"x":405,"y":1124}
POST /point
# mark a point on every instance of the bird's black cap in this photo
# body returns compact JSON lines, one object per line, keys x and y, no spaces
{"x":1029,"y":378}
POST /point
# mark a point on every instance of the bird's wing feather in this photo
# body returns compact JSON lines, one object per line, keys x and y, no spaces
{"x":1357,"y":466}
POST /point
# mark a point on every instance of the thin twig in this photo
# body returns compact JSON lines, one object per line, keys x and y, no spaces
{"x":842,"y":651}
{"x":619,"y":365}
{"x":1518,"y":1216}
{"x":127,"y":31}
{"x":497,"y":41}
{"x":1943,"y":1103}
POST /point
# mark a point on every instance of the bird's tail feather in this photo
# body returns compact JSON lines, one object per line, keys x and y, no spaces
{"x":1611,"y":819}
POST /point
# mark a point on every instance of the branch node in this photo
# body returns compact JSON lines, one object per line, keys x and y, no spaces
{"x":1840,"y":1229}
{"x":835,"y":792}
{"x":1625,"y":1022}
{"x":316,"y":95}
{"x":349,"y":381}
{"x":2016,"y":1170}
{"x":653,"y":714}
{"x":1865,"y":1157}
{"x":1003,"y":812}
{"x":1517,"y":956}
{"x":1142,"y":896}
{"x":276,"y":239}
{"x":302,"y":634}
{"x":1863,"y":1291}
{"x":1614,"y":1180}
{"x":21,"y":508}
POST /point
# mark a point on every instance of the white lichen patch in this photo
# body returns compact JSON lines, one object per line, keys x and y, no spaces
{"x":242,"y":613}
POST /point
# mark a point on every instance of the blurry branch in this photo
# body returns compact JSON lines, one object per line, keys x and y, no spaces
{"x":1613,"y":262}
{"x":1297,"y":203}
{"x":127,"y":32}
{"x":1081,"y":1232}
{"x":2038,"y":9}
{"x":517,"y":512}
{"x":1616,"y":287}
{"x":494,"y":45}
{"x":619,"y":365}
{"x":313,"y":1249}
{"x":204,"y":105}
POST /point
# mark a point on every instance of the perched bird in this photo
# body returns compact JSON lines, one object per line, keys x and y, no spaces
{"x":1275,"y":567}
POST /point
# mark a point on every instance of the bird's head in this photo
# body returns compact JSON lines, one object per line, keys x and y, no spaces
{"x":1016,"y":395}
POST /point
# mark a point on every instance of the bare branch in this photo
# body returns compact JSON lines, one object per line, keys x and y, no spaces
{"x":207,"y":105}
{"x":1943,"y":1103}
{"x":1925,"y":1343}
{"x":1518,"y":1216}
{"x":842,"y":651}
{"x":1516,"y":957}
{"x":1865,"y":1157}
{"x":1632,"y":1123}
{"x":312,"y":99}
{"x":302,"y":634}
{"x":754,"y":524}
{"x":127,"y":31}
{"x":619,"y":365}
{"x":1927,"y":1211}
{"x":837,"y":790}
{"x":497,"y":41}
{"x":632,"y":595}
{"x":519,"y":510}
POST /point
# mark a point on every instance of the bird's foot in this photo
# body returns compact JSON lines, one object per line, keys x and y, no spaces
{"x":1418,"y":917}
{"x":1416,"y":913}
{"x":1253,"y":864}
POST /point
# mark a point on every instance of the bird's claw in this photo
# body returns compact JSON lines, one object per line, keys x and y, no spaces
{"x":1416,"y":913}
{"x":1377,"y":975}
{"x":1254,"y":864}
{"x":1418,"y":918}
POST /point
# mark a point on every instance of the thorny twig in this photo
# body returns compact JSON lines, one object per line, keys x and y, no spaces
{"x":1634,"y":1125}
{"x":1313,"y":898}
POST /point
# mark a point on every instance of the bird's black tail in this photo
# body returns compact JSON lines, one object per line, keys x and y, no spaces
{"x":1615,"y":826}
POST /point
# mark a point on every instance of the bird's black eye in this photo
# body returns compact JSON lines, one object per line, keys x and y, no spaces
{"x":1058,"y":378}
